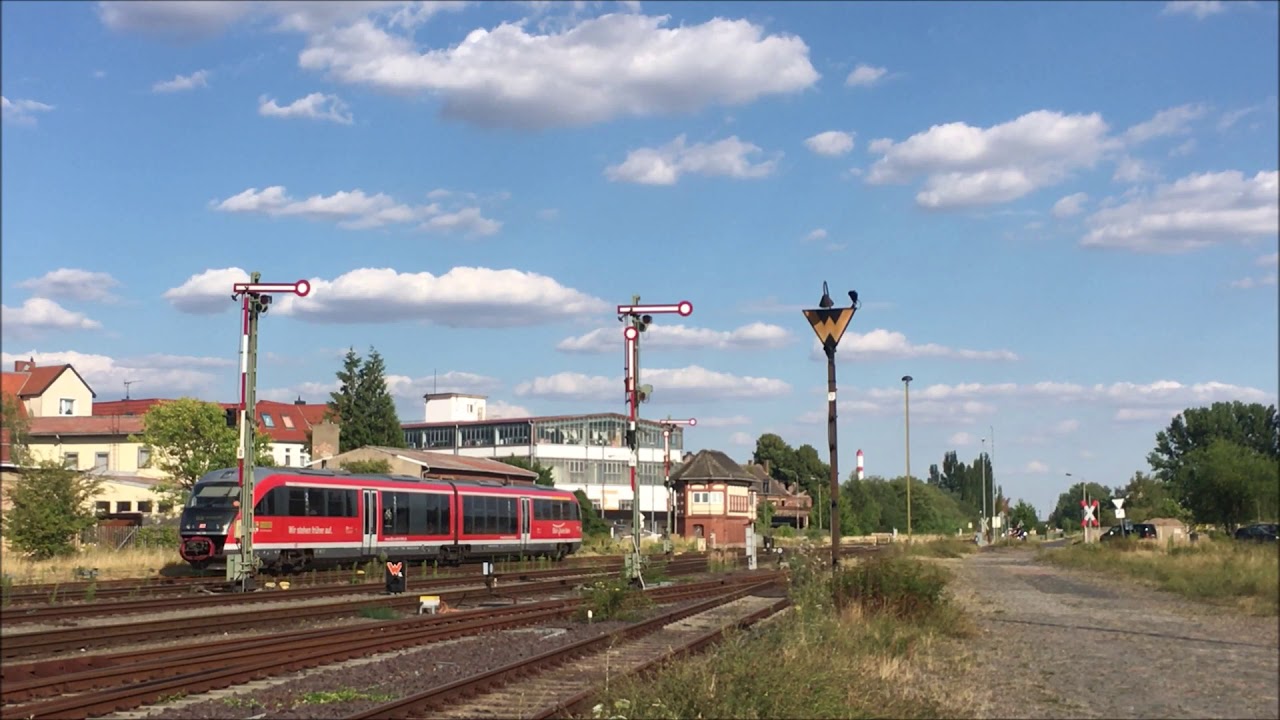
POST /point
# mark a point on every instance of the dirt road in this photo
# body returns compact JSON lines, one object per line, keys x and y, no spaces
{"x":1056,"y":643}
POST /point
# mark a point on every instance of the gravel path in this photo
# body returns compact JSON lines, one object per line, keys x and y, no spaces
{"x":1057,"y":643}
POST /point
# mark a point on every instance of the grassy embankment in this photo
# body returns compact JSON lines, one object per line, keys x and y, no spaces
{"x":1246,"y":576}
{"x":877,"y":652}
{"x":111,"y":565}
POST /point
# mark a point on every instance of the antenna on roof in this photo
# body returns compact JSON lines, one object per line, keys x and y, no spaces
{"x":127,"y":383}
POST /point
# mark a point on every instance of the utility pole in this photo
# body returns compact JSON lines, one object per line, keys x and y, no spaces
{"x":668,"y":426}
{"x":992,"y":462}
{"x":638,"y":318}
{"x":255,"y":298}
{"x":983,"y":465}
{"x":829,"y":325}
{"x":906,"y":388}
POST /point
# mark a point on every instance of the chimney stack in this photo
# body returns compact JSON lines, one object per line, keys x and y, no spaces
{"x":24,"y":365}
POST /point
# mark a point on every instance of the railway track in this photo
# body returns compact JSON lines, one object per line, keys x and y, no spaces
{"x":552,"y":682}
{"x":136,"y":679}
{"x":78,"y":591}
{"x":14,"y":616}
{"x":29,"y":644}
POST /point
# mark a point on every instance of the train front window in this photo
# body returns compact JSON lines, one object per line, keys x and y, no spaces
{"x":214,"y":496}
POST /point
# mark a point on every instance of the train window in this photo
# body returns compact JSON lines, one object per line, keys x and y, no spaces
{"x":298,"y":502}
{"x":469,"y":515}
{"x":388,"y":513}
{"x":417,"y":514}
{"x":340,"y":503}
{"x":438,"y":519}
{"x":507,"y":514}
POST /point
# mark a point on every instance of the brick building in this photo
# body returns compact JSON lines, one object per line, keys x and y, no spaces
{"x":715,"y":499}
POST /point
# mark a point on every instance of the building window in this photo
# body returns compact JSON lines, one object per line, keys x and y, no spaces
{"x":67,"y":406}
{"x":513,"y":434}
{"x":268,"y":421}
{"x":477,"y":436}
{"x":103,"y":506}
{"x":624,"y":504}
{"x":144,"y":506}
{"x":577,"y":471}
{"x":144,"y":456}
{"x":287,"y":460}
{"x":101,"y":460}
{"x":288,"y":421}
{"x":123,"y":506}
{"x":71,"y":461}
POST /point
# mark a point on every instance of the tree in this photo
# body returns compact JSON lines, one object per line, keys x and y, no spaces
{"x":592,"y":525}
{"x":363,"y":405}
{"x":1147,"y":497}
{"x":378,"y":466}
{"x":1254,"y":426}
{"x":15,"y":429}
{"x":1227,"y":484}
{"x":1024,"y":514}
{"x":800,"y":467}
{"x":545,"y":475}
{"x":188,"y":438}
{"x":50,"y":507}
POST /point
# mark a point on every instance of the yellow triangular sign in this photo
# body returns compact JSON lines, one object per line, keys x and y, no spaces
{"x":829,"y":324}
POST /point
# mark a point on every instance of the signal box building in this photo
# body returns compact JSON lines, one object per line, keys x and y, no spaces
{"x":716,"y":499}
{"x":584,"y":452}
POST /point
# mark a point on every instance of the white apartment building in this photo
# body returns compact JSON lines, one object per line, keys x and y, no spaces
{"x":584,"y":452}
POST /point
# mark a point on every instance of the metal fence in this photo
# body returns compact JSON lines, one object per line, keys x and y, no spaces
{"x":119,"y":537}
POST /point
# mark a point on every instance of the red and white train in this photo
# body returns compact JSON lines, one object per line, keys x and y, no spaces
{"x":304,"y":518}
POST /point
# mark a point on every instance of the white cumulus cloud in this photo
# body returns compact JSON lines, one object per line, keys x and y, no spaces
{"x":73,"y":284}
{"x":1166,"y":123}
{"x":1037,"y":467}
{"x":1196,"y":211}
{"x":689,"y":384}
{"x":865,"y":76}
{"x":602,"y":68}
{"x":154,"y":375}
{"x":879,"y":344}
{"x":731,"y":421}
{"x":742,"y":439}
{"x":1070,"y":205}
{"x":664,"y":165}
{"x":41,"y":314}
{"x":207,"y":292}
{"x":197,"y":79}
{"x":355,"y":210}
{"x":316,"y":106}
{"x":830,"y":143}
{"x":754,"y":336}
{"x":961,"y":439}
{"x":21,"y":112}
{"x":965,"y":165}
{"x":1201,"y":9}
{"x":461,"y":297}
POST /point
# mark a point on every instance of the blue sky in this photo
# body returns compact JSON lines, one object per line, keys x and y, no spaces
{"x":1061,"y":218}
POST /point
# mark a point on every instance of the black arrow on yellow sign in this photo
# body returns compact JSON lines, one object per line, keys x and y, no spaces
{"x":829,"y":324}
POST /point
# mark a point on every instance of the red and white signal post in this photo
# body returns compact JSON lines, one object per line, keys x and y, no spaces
{"x":638,"y":318}
{"x":667,"y":426}
{"x":255,"y":298}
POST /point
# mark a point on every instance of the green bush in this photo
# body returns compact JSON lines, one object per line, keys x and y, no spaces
{"x":892,"y":585}
{"x":612,"y":600}
{"x":161,"y":536}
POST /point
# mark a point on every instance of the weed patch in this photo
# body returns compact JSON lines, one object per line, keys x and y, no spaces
{"x":612,"y":600}
{"x":326,"y":697}
{"x":1228,"y":572}
{"x":814,"y":661}
{"x":379,"y":613}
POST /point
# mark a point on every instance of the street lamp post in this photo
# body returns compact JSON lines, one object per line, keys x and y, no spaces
{"x":255,"y":297}
{"x":829,"y":323}
{"x":638,"y":318}
{"x":906,"y":389}
{"x":667,"y":426}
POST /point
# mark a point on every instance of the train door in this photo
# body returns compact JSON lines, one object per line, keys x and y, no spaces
{"x":526,"y":514}
{"x":369,"y":544}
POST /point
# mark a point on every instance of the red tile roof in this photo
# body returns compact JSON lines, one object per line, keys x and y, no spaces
{"x":11,"y":383}
{"x":126,"y":407}
{"x":91,"y":425}
{"x":34,"y":381}
{"x":461,"y":464}
{"x":302,"y":417}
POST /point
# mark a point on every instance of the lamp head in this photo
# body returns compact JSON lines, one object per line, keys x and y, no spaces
{"x":853,"y":299}
{"x":826,"y":300}
{"x":907,"y":378}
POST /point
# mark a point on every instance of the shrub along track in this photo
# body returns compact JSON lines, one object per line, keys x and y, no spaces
{"x":29,"y":644}
{"x":148,"y":677}
{"x":83,"y":592}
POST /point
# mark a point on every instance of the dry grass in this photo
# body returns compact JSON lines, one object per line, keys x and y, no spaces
{"x":812,"y":662}
{"x":1243,"y":575}
{"x":111,"y":565}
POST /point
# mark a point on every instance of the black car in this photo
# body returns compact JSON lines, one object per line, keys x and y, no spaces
{"x":1130,"y":531}
{"x":1258,"y":532}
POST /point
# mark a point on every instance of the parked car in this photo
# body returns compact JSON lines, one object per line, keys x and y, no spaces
{"x":1258,"y":532}
{"x":1131,"y":531}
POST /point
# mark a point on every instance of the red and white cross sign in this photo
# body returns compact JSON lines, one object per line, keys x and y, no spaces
{"x":1090,"y":514}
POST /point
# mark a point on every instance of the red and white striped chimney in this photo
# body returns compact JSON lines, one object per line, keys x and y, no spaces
{"x":859,"y":464}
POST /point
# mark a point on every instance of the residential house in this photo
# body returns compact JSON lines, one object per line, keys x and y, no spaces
{"x":715,"y":499}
